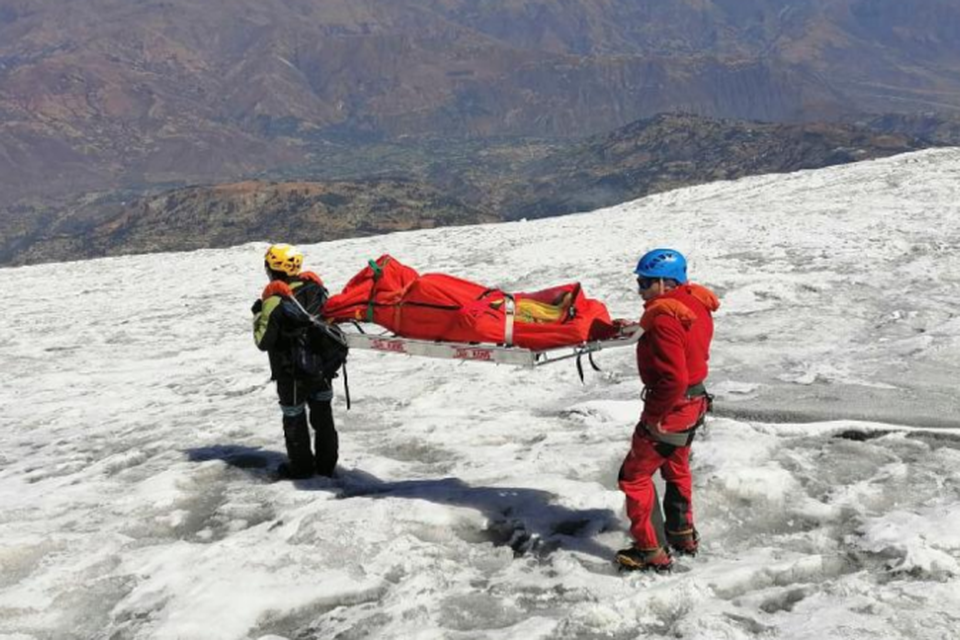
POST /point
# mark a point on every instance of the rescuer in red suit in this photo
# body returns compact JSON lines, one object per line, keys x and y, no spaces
{"x":672,"y":359}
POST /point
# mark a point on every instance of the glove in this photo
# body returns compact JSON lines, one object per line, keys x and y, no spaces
{"x":276,"y":288}
{"x":257,"y":307}
{"x":310,"y":276}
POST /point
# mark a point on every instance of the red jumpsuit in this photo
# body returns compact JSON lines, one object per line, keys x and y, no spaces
{"x":672,"y":359}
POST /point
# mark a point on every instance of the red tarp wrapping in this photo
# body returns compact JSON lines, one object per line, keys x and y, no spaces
{"x":435,"y":306}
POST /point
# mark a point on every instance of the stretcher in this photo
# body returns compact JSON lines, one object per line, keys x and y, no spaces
{"x":374,"y":338}
{"x":392,"y":308}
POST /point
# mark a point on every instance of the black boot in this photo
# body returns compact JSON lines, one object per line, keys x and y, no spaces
{"x":296,"y":435}
{"x":327,"y":441}
{"x":684,"y":543}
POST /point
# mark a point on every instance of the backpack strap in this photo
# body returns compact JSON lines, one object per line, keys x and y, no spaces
{"x":346,"y":386}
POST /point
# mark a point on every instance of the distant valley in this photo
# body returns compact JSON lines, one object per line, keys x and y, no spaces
{"x":504,"y":181}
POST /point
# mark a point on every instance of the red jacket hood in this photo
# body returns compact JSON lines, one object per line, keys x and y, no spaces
{"x":668,"y":304}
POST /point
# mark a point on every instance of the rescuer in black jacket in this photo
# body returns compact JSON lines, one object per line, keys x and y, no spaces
{"x":281,"y":317}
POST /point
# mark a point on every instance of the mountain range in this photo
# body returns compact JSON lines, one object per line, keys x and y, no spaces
{"x":109,"y":102}
{"x":113,"y":93}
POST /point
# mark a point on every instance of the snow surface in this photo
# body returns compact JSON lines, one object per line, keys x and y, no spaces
{"x":137,"y":435}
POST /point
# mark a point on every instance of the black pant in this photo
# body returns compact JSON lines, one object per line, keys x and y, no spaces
{"x":297,"y":397}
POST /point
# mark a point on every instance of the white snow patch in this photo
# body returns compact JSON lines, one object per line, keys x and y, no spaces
{"x":138,"y":433}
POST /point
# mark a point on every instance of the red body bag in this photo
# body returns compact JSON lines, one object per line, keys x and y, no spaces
{"x":436,"y":306}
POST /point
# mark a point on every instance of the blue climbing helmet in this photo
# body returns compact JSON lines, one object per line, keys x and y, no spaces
{"x":663,"y":263}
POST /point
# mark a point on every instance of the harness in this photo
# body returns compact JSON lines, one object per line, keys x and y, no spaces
{"x":683,"y":438}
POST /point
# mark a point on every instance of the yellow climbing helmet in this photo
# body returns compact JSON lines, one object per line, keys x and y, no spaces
{"x":284,"y":258}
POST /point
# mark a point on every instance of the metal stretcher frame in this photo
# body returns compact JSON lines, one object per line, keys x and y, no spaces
{"x":480,"y":352}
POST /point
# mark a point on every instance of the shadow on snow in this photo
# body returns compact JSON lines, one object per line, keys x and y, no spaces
{"x":526,"y":520}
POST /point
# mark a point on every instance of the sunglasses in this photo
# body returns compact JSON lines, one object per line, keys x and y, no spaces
{"x":646,"y":283}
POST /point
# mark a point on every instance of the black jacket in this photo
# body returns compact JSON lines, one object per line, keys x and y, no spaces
{"x":278,"y":323}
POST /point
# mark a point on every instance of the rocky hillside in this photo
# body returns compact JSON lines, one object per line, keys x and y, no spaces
{"x":934,"y":128}
{"x":481,"y":184}
{"x":230,"y":214}
{"x":672,"y":151}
